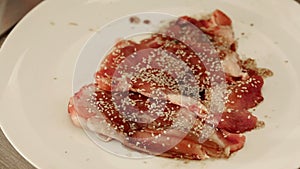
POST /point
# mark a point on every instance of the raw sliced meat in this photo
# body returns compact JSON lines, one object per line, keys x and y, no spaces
{"x":237,"y":121}
{"x":245,"y":94}
{"x":175,"y":132}
{"x":183,"y":92}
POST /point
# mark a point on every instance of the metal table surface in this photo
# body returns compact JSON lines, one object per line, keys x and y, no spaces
{"x":9,"y":157}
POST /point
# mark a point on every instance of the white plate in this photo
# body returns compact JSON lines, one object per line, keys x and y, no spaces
{"x":39,"y":56}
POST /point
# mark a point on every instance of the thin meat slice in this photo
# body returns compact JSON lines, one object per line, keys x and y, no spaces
{"x":170,"y":131}
{"x":220,"y":144}
{"x":154,"y":80}
{"x":237,"y":121}
{"x":172,"y":57}
{"x":245,"y":94}
{"x":219,"y":27}
{"x":168,"y":51}
{"x":166,"y":72}
{"x":193,"y":49}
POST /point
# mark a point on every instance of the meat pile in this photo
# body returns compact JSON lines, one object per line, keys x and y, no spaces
{"x":184,"y":92}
